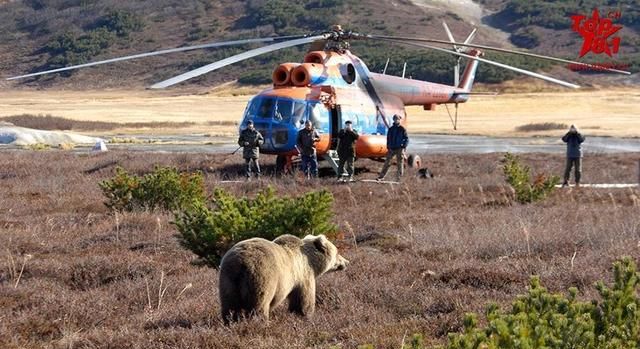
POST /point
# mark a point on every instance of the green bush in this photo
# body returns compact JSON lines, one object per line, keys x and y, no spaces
{"x":540,"y":319}
{"x":71,"y":49}
{"x":121,"y":22}
{"x":165,"y":188}
{"x":68,"y":49}
{"x":525,"y":37}
{"x":210,"y":232}
{"x":519,"y":177}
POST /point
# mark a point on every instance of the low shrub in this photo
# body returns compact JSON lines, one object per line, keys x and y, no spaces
{"x":519,"y":177}
{"x":525,"y":37}
{"x":165,"y":188}
{"x":37,"y":146}
{"x":540,"y":319}
{"x":544,"y":126}
{"x":121,"y":22}
{"x":210,"y":232}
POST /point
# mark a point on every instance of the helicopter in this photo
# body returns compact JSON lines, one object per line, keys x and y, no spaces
{"x":332,"y":85}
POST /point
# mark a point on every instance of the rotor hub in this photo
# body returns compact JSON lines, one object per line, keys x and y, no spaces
{"x":338,"y":39}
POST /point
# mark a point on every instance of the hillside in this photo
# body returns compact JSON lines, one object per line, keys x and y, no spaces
{"x":54,"y":33}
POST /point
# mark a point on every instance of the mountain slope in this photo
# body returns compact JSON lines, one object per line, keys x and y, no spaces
{"x":52,"y":33}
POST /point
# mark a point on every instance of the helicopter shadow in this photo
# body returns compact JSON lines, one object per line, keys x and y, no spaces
{"x":237,"y":170}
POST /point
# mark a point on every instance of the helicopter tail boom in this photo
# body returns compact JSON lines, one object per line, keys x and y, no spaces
{"x":469,"y":74}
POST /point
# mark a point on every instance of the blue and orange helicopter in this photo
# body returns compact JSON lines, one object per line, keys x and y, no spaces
{"x":332,"y":85}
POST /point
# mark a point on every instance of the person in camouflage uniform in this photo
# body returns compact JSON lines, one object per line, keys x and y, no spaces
{"x":347,"y":138}
{"x":251,"y":140}
{"x":306,"y":144}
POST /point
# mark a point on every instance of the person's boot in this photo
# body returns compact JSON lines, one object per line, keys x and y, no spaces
{"x":577,"y":184}
{"x":565,"y":184}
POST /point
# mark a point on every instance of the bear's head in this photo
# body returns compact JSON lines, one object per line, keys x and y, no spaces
{"x":323,"y":255}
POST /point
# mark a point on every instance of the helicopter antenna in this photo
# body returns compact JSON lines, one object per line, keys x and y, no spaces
{"x":404,"y":69}
{"x":384,"y":72}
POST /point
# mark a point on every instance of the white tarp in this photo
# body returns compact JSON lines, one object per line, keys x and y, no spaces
{"x":604,"y":185}
{"x":15,"y":135}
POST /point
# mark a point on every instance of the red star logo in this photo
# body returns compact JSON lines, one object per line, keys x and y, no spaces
{"x":596,"y":33}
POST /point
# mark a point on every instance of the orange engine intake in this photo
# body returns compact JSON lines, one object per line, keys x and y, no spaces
{"x":318,"y":57}
{"x":307,"y":74}
{"x":282,"y":74}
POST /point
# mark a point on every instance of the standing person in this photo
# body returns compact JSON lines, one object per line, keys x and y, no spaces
{"x":397,"y":141}
{"x":347,"y":138}
{"x":306,"y":143}
{"x":251,"y":140}
{"x":574,"y":140}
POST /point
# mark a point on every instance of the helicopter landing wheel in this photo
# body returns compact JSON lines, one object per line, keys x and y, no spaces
{"x":414,"y":161}
{"x":281,"y":163}
{"x":284,"y":165}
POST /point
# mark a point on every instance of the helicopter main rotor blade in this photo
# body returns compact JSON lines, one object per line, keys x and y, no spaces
{"x":501,"y":65}
{"x":160,"y":52}
{"x":450,"y":35}
{"x":504,"y":50}
{"x":233,"y":59}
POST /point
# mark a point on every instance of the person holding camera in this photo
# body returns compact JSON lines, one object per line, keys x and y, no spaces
{"x":574,"y":140}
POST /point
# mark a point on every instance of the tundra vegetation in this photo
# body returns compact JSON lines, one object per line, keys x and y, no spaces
{"x":425,"y":253}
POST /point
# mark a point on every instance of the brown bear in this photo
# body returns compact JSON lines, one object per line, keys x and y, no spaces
{"x":257,"y":275}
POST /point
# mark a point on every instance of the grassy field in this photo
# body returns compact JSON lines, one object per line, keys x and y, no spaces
{"x":422,"y":253}
{"x":610,"y":112}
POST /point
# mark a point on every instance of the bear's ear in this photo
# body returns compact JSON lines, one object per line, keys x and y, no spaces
{"x":319,"y":244}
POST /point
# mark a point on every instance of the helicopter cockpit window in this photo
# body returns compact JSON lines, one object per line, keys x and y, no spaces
{"x":260,"y":108}
{"x":282,"y":111}
{"x":288,"y":111}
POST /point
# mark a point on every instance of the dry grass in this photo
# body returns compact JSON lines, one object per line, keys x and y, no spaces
{"x":611,"y":112}
{"x":602,"y":112}
{"x":423,"y":253}
{"x":48,"y":122}
{"x":544,"y":126}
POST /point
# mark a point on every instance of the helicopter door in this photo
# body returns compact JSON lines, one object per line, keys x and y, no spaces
{"x":336,"y":118}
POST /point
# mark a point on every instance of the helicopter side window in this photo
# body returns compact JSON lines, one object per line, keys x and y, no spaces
{"x":298,"y":112}
{"x":319,"y":116}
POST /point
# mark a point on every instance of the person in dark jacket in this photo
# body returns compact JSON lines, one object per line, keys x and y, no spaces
{"x":306,"y":144}
{"x":574,"y":140}
{"x":251,"y":140}
{"x":346,"y":148}
{"x":397,"y":141}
